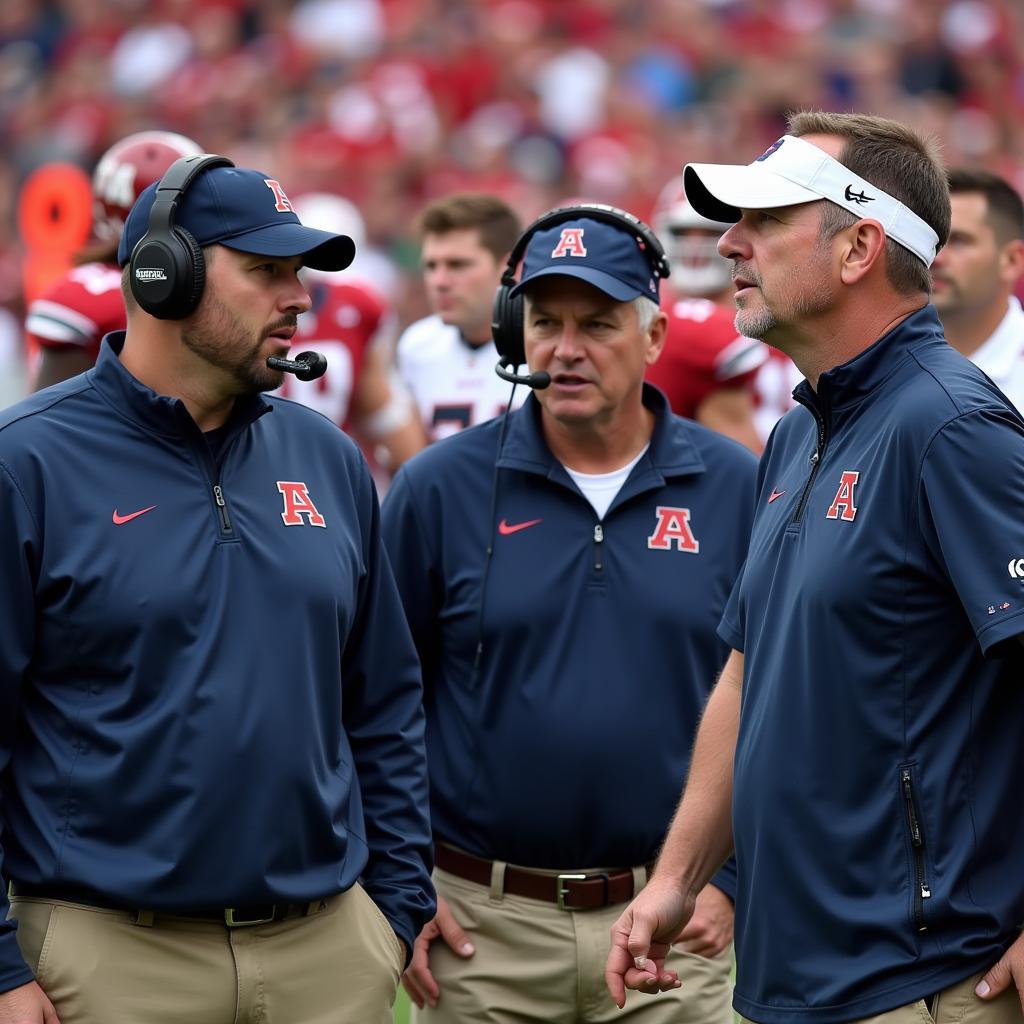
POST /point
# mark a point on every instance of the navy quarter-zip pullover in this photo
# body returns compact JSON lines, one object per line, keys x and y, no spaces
{"x":208,"y":693}
{"x":564,"y":680}
{"x":877,"y":816}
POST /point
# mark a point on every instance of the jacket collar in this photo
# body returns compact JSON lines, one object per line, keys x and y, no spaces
{"x":846,"y":385}
{"x":671,"y":452}
{"x":159,"y":414}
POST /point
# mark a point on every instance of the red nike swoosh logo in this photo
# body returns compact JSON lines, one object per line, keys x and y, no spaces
{"x":775,"y":494}
{"x":504,"y":529}
{"x":121,"y":520}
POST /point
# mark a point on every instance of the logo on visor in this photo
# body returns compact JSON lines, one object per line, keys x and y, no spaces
{"x":771,"y":149}
{"x":857,"y":197}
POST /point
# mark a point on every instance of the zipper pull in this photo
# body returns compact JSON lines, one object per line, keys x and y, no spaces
{"x":598,"y":533}
{"x":926,"y":893}
{"x":815,"y":455}
{"x":222,"y":509}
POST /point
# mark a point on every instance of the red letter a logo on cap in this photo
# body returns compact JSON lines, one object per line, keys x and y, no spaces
{"x":284,"y":204}
{"x":570,"y":244}
{"x":298,"y":503}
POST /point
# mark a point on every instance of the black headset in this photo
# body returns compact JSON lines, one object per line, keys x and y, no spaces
{"x":167,"y":271}
{"x":507,"y":313}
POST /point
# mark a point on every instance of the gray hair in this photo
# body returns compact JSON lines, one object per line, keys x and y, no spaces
{"x":646,"y":310}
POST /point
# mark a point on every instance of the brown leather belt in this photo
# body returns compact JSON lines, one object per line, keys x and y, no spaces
{"x":568,"y":891}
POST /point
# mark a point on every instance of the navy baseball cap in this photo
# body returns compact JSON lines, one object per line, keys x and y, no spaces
{"x":612,"y":259}
{"x":245,"y":210}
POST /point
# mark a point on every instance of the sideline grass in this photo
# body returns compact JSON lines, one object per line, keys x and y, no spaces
{"x":402,"y":1007}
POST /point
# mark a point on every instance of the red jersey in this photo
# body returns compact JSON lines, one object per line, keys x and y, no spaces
{"x":342,"y":323}
{"x":78,"y":309}
{"x":773,"y":390}
{"x":702,"y":354}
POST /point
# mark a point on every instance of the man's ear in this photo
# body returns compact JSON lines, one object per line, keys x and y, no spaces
{"x":1011,"y":262}
{"x":861,"y":247}
{"x":656,"y":338}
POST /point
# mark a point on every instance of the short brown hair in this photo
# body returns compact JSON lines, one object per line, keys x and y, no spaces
{"x":494,"y":219}
{"x":898,"y":160}
{"x":1005,"y":209}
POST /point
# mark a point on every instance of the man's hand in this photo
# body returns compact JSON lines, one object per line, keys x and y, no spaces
{"x":1009,"y":970}
{"x":641,"y":939}
{"x":418,"y":980}
{"x":27,"y":1004}
{"x":709,"y":931}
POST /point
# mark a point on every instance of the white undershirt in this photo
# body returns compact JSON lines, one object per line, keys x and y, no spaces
{"x":600,"y":489}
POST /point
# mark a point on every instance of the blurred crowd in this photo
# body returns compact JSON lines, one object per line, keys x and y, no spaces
{"x":392,"y":103}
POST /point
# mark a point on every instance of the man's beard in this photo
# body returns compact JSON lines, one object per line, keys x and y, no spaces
{"x":760,"y":321}
{"x":221,"y":339}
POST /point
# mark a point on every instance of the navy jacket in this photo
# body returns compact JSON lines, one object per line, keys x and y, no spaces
{"x":200,"y":704}
{"x":565,"y":741}
{"x":877,"y":813}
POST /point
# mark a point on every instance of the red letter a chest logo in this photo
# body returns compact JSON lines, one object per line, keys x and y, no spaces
{"x":673,"y":528}
{"x":570,"y":244}
{"x":844,"y":504}
{"x":298,"y":503}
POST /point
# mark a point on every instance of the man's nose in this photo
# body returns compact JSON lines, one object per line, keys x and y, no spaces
{"x":568,"y":345}
{"x":733,"y":244}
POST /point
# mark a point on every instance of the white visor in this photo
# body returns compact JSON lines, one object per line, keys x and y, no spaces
{"x":792,"y":171}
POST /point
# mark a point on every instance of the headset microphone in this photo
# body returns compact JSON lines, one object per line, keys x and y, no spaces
{"x":538,"y":381}
{"x":305,"y":366}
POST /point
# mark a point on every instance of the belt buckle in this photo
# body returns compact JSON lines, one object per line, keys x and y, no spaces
{"x":234,"y":922}
{"x":561,"y":891}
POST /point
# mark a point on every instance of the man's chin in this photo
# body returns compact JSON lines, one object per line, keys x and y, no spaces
{"x":753,"y":326}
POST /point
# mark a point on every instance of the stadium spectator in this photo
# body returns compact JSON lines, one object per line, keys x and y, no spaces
{"x":874,"y":624}
{"x":562,"y":660}
{"x":211,"y":723}
{"x":447,"y":359}
{"x":974,"y":276}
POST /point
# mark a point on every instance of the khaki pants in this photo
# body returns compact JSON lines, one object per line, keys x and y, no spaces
{"x":339,"y":965}
{"x":534,"y":962}
{"x":955,"y":1005}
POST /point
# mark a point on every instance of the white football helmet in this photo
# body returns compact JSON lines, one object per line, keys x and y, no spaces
{"x":691,"y":244}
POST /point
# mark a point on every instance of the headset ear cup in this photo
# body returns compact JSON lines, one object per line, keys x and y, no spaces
{"x":189,"y":289}
{"x":515,"y":318}
{"x":167,"y":274}
{"x":507,"y":326}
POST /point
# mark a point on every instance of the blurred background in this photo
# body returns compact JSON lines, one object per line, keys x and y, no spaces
{"x":394,"y":102}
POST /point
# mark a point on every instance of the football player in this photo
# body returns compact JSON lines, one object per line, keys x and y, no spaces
{"x":351,"y":325}
{"x":706,"y":368}
{"x":68,"y":320}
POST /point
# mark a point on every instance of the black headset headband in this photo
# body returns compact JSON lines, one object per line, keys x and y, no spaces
{"x":167,"y":270}
{"x":172,"y":185}
{"x":621,"y":219}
